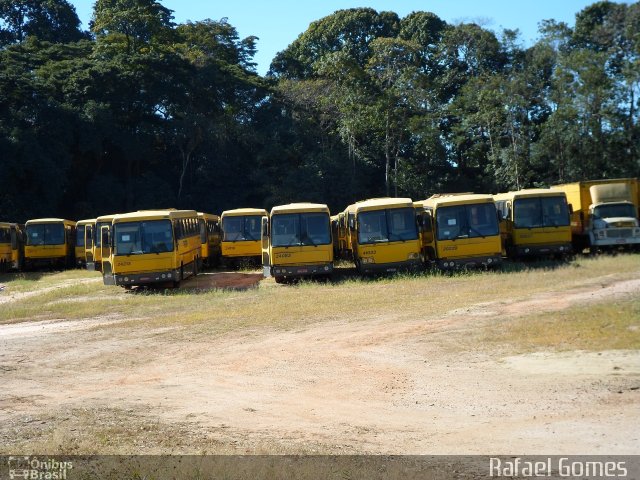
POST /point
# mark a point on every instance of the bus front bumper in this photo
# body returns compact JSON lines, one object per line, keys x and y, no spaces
{"x":146,"y":278}
{"x":541,"y":250}
{"x":471,"y":262}
{"x":36,"y":262}
{"x":391,"y":267}
{"x":302,"y":270}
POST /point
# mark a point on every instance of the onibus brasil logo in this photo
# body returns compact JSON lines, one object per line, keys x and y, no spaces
{"x":38,"y":468}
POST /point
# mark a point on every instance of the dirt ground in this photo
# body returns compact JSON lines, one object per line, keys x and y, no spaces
{"x":379,"y":385}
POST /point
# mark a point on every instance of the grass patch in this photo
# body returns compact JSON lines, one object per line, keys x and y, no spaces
{"x":350,"y":298}
{"x":601,"y":326}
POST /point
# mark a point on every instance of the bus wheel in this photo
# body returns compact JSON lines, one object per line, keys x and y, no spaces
{"x":279,"y":279}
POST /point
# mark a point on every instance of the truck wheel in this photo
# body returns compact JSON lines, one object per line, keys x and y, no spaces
{"x":279,"y":279}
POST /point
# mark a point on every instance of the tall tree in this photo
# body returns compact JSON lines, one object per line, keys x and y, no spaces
{"x":48,"y":20}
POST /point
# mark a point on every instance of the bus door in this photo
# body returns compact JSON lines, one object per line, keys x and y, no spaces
{"x":427,"y":229}
{"x":266,"y":260}
{"x":107,"y":271}
{"x":88,"y":247}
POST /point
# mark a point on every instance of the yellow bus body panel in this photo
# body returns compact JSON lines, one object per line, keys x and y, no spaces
{"x":466,"y":248}
{"x":45,"y":251}
{"x":541,"y":236}
{"x":6,"y":254}
{"x":149,"y":262}
{"x":302,"y":255}
{"x":242,"y":248}
{"x":390,"y":252}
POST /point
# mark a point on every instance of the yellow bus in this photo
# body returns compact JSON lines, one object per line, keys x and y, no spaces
{"x":296,"y":241}
{"x":151,"y":247}
{"x":535,"y":223}
{"x":11,"y":246}
{"x":460,"y":230}
{"x":209,"y":238}
{"x":95,"y":251}
{"x":241,"y":234}
{"x":384,"y":235}
{"x":83,"y":230}
{"x":50,"y":242}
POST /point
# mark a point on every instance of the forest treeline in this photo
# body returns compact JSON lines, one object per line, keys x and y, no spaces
{"x":142,"y":112}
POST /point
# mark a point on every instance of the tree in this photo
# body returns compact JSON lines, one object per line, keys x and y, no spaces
{"x":49,"y":20}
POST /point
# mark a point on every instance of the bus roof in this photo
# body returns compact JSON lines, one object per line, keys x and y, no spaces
{"x":86,"y":222}
{"x":106,"y":218}
{"x":300,"y":208}
{"x":456,"y":199}
{"x":240,"y":212}
{"x":50,"y":220}
{"x":382,"y":203}
{"x":9,"y":224}
{"x":154,"y":215}
{"x":208,"y":216}
{"x":530,"y":192}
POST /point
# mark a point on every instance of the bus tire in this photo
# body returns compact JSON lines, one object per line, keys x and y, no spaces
{"x":279,"y":279}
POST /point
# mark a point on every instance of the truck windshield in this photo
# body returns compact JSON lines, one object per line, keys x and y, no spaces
{"x":466,"y":221}
{"x":80,"y":236}
{"x":45,"y":234}
{"x":300,"y":229}
{"x":237,"y":229}
{"x":540,"y":212}
{"x":137,"y":238}
{"x":390,"y":225}
{"x":614,"y":210}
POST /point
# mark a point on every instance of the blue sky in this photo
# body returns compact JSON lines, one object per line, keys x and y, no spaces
{"x":277,"y":23}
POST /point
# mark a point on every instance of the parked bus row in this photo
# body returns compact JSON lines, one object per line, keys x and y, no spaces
{"x":446,"y":231}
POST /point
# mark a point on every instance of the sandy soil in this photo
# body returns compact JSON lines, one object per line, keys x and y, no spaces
{"x":378,"y":385}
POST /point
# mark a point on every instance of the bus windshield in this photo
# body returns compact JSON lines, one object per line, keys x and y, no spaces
{"x":80,"y":236}
{"x":467,"y":221}
{"x":5,"y":235}
{"x":300,"y":229}
{"x":245,"y":228}
{"x":137,"y":238}
{"x":614,"y":210}
{"x":390,"y":225}
{"x":45,"y":234}
{"x":540,"y":212}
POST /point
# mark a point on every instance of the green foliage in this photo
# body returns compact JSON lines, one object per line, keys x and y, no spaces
{"x":147,"y":113}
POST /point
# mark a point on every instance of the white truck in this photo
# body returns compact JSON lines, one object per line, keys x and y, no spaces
{"x":604,"y":213}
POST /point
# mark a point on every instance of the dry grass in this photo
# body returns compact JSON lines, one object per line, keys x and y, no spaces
{"x":294,"y":306}
{"x":600,"y":326}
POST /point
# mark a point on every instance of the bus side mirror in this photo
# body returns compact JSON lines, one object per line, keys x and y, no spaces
{"x":570,"y":209}
{"x":265,"y":226}
{"x":352,"y":223}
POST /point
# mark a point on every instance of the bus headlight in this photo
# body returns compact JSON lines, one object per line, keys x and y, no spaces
{"x":490,"y":260}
